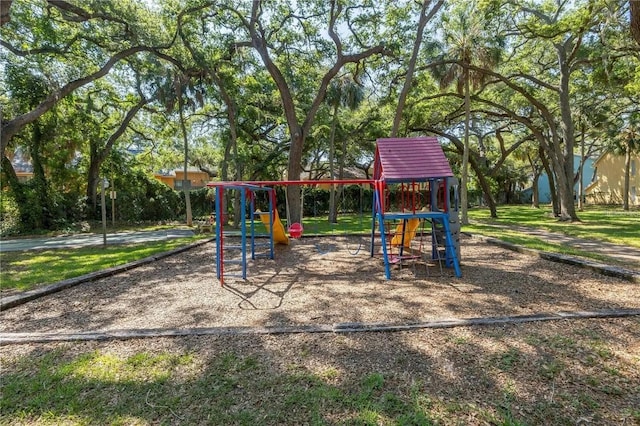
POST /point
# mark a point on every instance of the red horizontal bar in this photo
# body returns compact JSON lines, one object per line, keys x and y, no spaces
{"x":295,"y":182}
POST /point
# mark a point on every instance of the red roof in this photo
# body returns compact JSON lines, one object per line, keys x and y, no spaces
{"x":406,"y":159}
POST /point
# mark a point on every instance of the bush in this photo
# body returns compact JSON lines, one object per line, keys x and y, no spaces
{"x":9,"y":214}
{"x":143,"y":198}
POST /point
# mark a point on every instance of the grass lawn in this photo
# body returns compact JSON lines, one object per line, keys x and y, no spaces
{"x":24,"y":270}
{"x":597,"y":223}
{"x":560,"y":373}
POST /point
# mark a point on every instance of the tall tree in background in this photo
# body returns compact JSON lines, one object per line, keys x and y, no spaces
{"x":427,"y":11}
{"x":181,"y":92}
{"x":467,"y":43}
{"x":5,"y":7}
{"x":263,"y":30}
{"x":342,"y":92}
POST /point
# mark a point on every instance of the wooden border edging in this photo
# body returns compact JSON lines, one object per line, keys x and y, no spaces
{"x":19,"y":299}
{"x":612,"y":271}
{"x":21,"y":338}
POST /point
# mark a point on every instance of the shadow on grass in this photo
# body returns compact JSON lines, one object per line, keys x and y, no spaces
{"x":508,"y":375}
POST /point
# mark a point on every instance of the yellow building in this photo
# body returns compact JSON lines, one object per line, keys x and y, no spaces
{"x":608,"y":184}
{"x":197,"y":178}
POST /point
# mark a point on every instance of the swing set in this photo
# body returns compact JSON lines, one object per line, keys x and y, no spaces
{"x":314,"y":228}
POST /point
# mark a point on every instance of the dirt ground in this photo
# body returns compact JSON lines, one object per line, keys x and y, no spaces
{"x":319,"y":281}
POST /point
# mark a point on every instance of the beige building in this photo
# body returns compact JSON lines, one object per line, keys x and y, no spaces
{"x":608,"y":183}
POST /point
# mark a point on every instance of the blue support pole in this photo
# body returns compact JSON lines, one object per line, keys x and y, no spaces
{"x":385,"y":254}
{"x":450,"y":250}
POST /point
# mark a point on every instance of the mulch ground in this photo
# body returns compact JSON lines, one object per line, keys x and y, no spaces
{"x":319,"y":281}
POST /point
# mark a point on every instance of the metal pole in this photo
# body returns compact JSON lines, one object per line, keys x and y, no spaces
{"x":104,"y":213}
{"x":113,"y":200}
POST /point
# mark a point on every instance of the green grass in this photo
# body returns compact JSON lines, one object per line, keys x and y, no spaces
{"x":347,"y":224}
{"x":24,"y":270}
{"x":597,"y":223}
{"x":143,"y":388}
{"x":102,"y":388}
{"x":536,"y":375}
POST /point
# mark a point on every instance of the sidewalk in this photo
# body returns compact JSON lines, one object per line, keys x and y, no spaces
{"x":85,"y":240}
{"x":628,"y":256}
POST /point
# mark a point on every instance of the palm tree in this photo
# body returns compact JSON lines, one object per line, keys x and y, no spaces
{"x":469,"y":44}
{"x":179,"y":88}
{"x":343,"y":92}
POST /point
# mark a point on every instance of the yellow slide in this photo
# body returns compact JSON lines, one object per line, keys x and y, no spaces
{"x":409,"y":232}
{"x":279,"y":234}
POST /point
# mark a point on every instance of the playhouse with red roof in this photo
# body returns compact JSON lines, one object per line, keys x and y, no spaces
{"x":414,"y":186}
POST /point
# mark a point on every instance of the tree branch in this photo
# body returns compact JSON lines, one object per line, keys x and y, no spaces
{"x":10,"y":128}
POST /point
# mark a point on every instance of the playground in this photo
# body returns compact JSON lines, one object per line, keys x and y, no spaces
{"x":414,"y":193}
{"x":415,"y":266}
{"x":272,"y":325}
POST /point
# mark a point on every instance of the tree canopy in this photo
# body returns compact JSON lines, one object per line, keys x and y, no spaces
{"x":264,"y":90}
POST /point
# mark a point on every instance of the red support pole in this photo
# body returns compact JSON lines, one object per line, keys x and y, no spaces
{"x":221,"y":254}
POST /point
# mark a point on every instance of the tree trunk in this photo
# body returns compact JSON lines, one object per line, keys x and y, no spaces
{"x":186,"y":183}
{"x":333,"y":211}
{"x":565,"y":172}
{"x":535,"y":193}
{"x":43,"y":209}
{"x":555,"y":204}
{"x":634,"y":11}
{"x":5,"y":7}
{"x":293,"y":173}
{"x":486,"y":189}
{"x":232,"y":144}
{"x":464,"y":182}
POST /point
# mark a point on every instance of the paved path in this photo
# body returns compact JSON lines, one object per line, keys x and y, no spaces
{"x":625,"y":254}
{"x":85,"y":240}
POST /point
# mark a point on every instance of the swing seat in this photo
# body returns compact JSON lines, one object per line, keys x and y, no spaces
{"x":295,"y":230}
